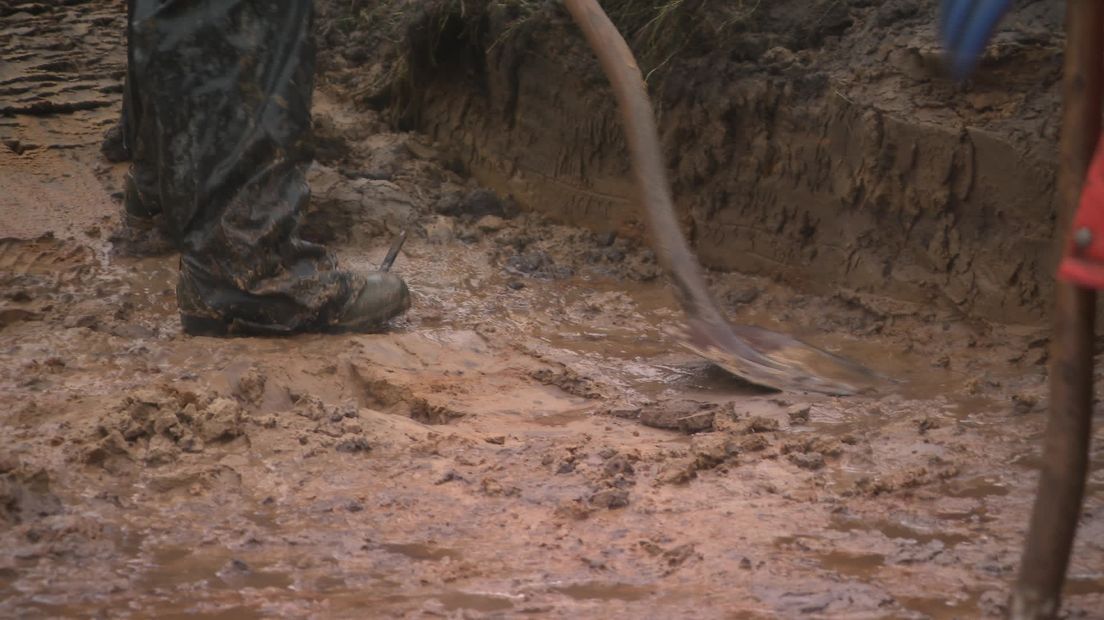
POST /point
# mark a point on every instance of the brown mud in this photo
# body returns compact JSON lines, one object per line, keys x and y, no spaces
{"x":526,"y":442}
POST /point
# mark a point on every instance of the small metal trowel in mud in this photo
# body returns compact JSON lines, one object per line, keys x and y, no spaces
{"x":757,"y":355}
{"x":393,"y":251}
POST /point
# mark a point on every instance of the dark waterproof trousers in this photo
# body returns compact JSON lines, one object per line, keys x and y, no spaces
{"x":217,"y":123}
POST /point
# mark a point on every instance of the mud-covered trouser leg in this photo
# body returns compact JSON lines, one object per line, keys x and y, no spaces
{"x":221,"y":113}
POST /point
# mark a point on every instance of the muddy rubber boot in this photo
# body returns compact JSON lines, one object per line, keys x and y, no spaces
{"x":370,"y":301}
{"x":382,"y":297}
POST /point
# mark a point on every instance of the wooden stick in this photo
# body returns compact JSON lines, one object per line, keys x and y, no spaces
{"x":1037,"y":593}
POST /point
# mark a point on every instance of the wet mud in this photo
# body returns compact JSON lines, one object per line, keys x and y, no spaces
{"x":526,"y":441}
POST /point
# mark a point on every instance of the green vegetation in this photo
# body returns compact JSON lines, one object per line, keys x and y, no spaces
{"x":657,"y":30}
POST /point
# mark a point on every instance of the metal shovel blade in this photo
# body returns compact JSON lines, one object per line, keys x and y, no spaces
{"x":758,"y":355}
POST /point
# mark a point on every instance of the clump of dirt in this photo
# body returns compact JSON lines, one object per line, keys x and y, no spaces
{"x":811,"y":452}
{"x":904,"y":481}
{"x":155,"y":424}
{"x":683,"y":415}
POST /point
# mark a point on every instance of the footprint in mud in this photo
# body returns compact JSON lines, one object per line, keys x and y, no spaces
{"x":421,"y":551}
{"x":34,"y":274}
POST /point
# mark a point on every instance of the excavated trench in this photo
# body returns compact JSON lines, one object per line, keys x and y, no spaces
{"x":813,"y":142}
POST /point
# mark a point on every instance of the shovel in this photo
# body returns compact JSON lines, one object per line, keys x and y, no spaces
{"x":757,"y":355}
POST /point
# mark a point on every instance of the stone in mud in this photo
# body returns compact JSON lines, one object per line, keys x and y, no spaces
{"x":574,"y":509}
{"x":754,"y":443}
{"x":778,"y":56}
{"x":605,"y":239}
{"x":1024,"y":402}
{"x":683,"y":415}
{"x":112,"y":443}
{"x":756,"y":424}
{"x":8,"y":462}
{"x":677,"y":556}
{"x":476,"y":204}
{"x":234,"y":572}
{"x":741,"y":296}
{"x":439,"y":230}
{"x":811,"y":460}
{"x":160,"y":451}
{"x":139,"y":412}
{"x":626,"y":413}
{"x":222,"y":420}
{"x":354,"y":445}
{"x":494,"y":488}
{"x":641,"y":267}
{"x":712,"y":449}
{"x":165,"y":422}
{"x":567,"y":380}
{"x":813,"y":445}
{"x":618,"y":465}
{"x":188,"y":442}
{"x":490,"y":223}
{"x":927,"y":424}
{"x":678,"y":471}
{"x":798,"y":414}
{"x":537,"y":264}
{"x":114,"y":147}
{"x":613,"y":255}
{"x":610,"y":498}
{"x":251,"y":385}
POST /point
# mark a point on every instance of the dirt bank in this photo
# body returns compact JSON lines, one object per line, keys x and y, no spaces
{"x":816,"y":142}
{"x":524,"y":442}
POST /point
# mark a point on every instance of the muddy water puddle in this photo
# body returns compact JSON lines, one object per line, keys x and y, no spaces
{"x":951,"y":607}
{"x":625,"y":326}
{"x":176,"y":567}
{"x":421,"y":551}
{"x":899,"y":530}
{"x":597,"y":591}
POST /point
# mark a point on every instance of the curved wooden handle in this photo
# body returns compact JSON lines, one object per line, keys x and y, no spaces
{"x":675,"y":257}
{"x":757,"y":355}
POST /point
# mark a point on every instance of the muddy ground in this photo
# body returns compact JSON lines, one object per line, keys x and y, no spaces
{"x":526,"y":442}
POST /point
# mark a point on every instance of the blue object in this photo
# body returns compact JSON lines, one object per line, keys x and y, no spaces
{"x":965,"y":27}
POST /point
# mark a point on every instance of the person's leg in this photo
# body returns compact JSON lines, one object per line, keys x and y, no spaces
{"x":223,"y":90}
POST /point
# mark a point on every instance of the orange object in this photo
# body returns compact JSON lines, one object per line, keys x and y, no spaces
{"x":1083,"y":261}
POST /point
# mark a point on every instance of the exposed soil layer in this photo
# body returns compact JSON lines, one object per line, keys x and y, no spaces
{"x":813,"y":141}
{"x":525,"y":441}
